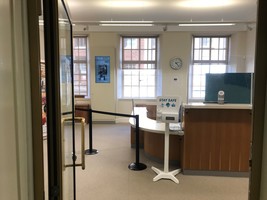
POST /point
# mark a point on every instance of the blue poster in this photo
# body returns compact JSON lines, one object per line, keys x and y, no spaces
{"x":102,"y":69}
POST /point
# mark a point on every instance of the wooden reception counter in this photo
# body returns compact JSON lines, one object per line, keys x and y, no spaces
{"x":217,"y":138}
{"x":152,"y":138}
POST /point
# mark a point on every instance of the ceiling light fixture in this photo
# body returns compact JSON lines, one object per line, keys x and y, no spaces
{"x":126,"y":4}
{"x":205,"y":3}
{"x":125,"y":24}
{"x":208,"y":24}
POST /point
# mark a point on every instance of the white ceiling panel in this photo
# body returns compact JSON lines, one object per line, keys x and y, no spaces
{"x":162,"y":11}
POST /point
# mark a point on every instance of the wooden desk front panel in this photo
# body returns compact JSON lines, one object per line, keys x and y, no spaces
{"x":154,"y":147}
{"x":217,"y":139}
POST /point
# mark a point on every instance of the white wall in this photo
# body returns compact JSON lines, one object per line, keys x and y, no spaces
{"x":15,"y":133}
{"x":243,"y":51}
{"x":250,"y":49}
{"x":238,"y":52}
{"x":175,"y":44}
{"x":103,"y":96}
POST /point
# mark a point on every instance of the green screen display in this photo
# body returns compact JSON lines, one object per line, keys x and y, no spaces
{"x":236,"y":87}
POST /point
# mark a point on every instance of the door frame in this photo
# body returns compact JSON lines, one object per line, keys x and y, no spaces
{"x":33,"y":29}
{"x":51,"y":35}
{"x":34,"y":11}
{"x":259,"y":104}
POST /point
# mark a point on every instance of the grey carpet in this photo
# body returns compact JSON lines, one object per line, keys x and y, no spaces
{"x":107,"y":177}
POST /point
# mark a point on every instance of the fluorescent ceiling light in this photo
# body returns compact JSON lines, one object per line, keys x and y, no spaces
{"x":205,"y":3}
{"x":126,"y":4}
{"x":114,"y":24}
{"x":209,"y":24}
{"x":126,"y":22}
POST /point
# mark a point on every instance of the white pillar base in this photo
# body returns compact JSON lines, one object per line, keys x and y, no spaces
{"x":166,"y":175}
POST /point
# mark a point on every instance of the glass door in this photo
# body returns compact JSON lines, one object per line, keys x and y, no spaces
{"x":61,"y":155}
{"x":67,"y":103}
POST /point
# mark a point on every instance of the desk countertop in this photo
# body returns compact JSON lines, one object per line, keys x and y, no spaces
{"x":217,"y":106}
{"x":151,"y":125}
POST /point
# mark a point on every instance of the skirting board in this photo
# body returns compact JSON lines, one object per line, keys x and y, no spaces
{"x":122,"y":120}
{"x":216,"y":173}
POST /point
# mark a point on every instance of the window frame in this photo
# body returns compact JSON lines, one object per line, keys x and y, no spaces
{"x":208,"y":62}
{"x":138,"y":70}
{"x":85,"y":62}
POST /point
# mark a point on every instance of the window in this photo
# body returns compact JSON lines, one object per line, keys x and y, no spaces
{"x":80,"y":62}
{"x":139,"y":65}
{"x":209,"y":55}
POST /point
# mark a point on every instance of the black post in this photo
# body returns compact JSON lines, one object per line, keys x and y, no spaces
{"x":90,"y":151}
{"x":137,"y":166}
{"x":133,"y":166}
{"x":137,"y":139}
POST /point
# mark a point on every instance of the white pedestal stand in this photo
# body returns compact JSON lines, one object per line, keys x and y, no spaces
{"x":166,"y":174}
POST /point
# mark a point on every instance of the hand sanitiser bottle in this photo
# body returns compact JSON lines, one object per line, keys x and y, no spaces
{"x":221,"y":97}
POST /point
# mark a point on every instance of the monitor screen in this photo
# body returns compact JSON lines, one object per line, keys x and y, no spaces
{"x":236,"y":86}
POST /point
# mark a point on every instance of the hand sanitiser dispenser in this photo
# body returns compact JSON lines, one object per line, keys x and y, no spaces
{"x":167,"y":112}
{"x":168,"y":109}
{"x":170,"y":117}
{"x":221,"y":97}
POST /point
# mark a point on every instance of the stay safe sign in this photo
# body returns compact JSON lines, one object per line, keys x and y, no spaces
{"x":168,"y":103}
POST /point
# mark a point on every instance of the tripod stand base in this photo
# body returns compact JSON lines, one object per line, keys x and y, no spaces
{"x":137,"y":166}
{"x":90,"y":151}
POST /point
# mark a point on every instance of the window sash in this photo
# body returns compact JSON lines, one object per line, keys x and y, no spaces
{"x":80,"y":61}
{"x":139,"y":64}
{"x":139,"y":83}
{"x":202,"y":64}
{"x":203,"y":53}
{"x":132,"y":53}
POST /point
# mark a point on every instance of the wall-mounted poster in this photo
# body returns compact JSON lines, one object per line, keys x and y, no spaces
{"x":102,"y":69}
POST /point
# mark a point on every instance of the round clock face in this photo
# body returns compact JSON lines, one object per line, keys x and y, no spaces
{"x":176,"y":63}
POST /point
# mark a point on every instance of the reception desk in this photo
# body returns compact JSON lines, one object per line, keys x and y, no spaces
{"x":217,"y":138}
{"x":152,"y":139}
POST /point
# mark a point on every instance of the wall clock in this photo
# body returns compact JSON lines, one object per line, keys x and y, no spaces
{"x":176,"y":63}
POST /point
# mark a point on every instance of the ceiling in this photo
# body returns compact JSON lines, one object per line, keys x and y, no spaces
{"x":162,"y":11}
